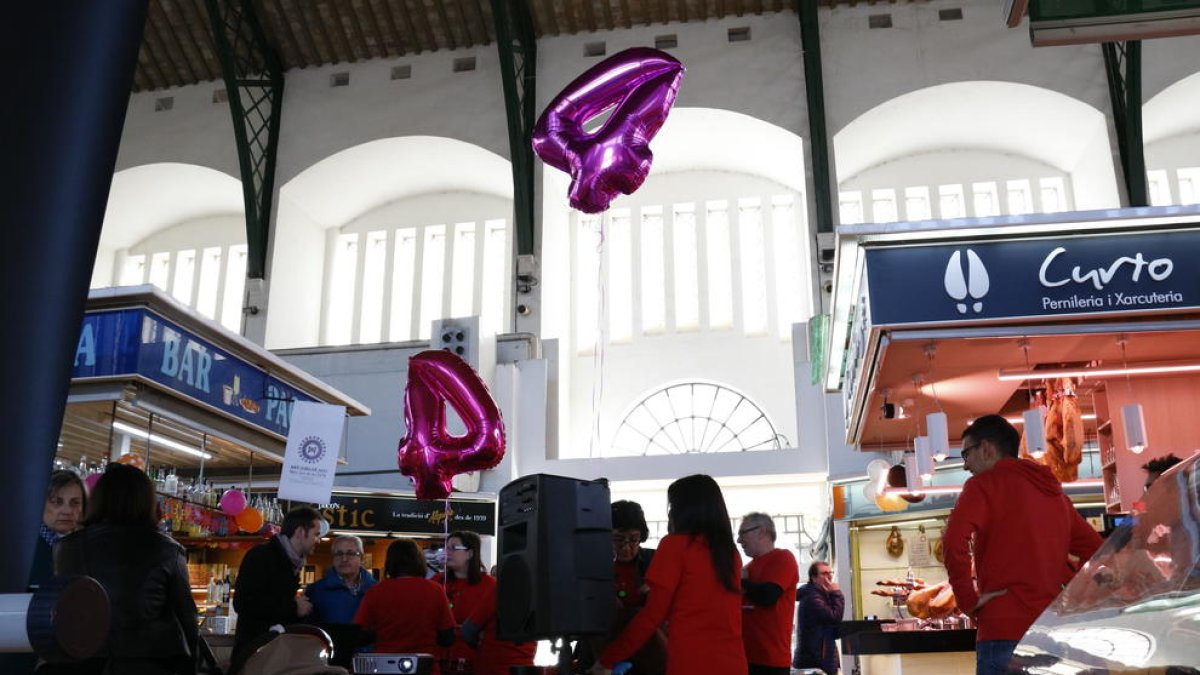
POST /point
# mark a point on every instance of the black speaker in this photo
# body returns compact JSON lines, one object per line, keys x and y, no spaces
{"x":555,"y":576}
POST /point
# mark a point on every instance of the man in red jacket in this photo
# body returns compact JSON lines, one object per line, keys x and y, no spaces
{"x":1014,"y":521}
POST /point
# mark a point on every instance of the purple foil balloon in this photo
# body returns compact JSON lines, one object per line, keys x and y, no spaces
{"x":639,"y":85}
{"x":431,"y":455}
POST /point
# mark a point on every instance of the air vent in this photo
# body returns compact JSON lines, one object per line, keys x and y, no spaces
{"x":401,"y":72}
{"x":666,"y":41}
{"x":879,"y":21}
{"x":464,"y":65}
{"x":220,"y":96}
{"x":164,"y":103}
{"x":594,"y":49}
{"x":339,"y":80}
{"x":950,"y":14}
{"x":740,"y":34}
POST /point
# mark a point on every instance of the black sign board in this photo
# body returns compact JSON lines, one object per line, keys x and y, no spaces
{"x":366,"y":513}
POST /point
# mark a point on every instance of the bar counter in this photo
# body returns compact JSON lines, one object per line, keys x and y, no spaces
{"x":931,"y":652}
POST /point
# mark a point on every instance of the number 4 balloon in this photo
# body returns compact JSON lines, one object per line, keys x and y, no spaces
{"x":639,"y":86}
{"x":429,"y":454}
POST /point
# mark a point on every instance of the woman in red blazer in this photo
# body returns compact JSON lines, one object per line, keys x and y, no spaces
{"x":695,"y":584}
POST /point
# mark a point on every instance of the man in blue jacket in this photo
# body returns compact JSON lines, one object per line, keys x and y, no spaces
{"x":336,"y":596}
{"x":818,"y":618}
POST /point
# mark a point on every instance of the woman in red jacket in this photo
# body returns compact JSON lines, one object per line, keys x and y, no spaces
{"x":467,"y":587}
{"x":694,"y":584}
{"x":406,"y":612}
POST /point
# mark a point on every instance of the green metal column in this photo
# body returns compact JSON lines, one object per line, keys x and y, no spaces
{"x":254,"y":81}
{"x":814,"y":88}
{"x":1123,"y":66}
{"x":518,"y":66}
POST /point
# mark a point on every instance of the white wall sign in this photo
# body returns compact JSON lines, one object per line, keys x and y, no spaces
{"x":313,"y":445}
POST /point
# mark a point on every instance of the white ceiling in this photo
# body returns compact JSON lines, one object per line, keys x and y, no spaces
{"x":146,"y":199}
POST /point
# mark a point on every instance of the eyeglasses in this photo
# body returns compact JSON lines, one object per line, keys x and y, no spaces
{"x":748,"y":530}
{"x":968,"y":449}
{"x":459,"y":548}
{"x":622,"y":540}
{"x":346,"y":554}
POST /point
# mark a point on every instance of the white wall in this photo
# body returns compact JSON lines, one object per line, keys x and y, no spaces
{"x":194,"y":131}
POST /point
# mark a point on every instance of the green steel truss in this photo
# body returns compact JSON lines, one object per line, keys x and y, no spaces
{"x":518,"y":65}
{"x":1123,"y":65}
{"x":254,"y":81}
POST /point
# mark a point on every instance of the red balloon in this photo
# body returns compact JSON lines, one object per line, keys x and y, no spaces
{"x":897,"y":477}
{"x":429,"y":454}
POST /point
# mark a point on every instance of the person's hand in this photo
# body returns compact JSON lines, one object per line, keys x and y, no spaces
{"x":304,"y":606}
{"x":987,"y":597}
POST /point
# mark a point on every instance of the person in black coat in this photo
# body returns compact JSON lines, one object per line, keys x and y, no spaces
{"x":818,"y":619}
{"x":154,"y":624}
{"x":265,"y":593}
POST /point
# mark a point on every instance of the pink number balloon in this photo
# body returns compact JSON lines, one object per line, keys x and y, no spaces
{"x":639,"y":85}
{"x":429,"y":454}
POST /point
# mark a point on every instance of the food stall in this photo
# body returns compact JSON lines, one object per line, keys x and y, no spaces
{"x":1093,"y":321}
{"x":198,"y":407}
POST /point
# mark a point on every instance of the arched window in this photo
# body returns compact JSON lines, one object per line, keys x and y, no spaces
{"x":695,"y":417}
{"x":180,"y":227}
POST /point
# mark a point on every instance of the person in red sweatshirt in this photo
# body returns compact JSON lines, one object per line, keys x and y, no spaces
{"x":1016,"y":525}
{"x":694,"y":584}
{"x":467,"y":587}
{"x":769,"y":584}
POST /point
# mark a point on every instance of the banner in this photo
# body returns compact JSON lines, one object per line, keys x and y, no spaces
{"x":313,"y":445}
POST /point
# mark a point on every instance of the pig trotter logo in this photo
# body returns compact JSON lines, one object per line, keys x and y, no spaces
{"x":973,"y":284}
{"x":312,"y":449}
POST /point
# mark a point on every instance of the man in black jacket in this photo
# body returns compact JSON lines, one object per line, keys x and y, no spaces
{"x":818,"y":617}
{"x":269,"y":578}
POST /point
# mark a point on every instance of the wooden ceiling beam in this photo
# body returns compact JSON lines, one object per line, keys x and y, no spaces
{"x":200,"y":28}
{"x":331,"y":25}
{"x":384,"y":27}
{"x":606,"y":10}
{"x":589,"y":15}
{"x":169,"y":17}
{"x":170,"y":62}
{"x":404,"y":30}
{"x":447,"y":27}
{"x":317,"y":39}
{"x":628,"y":14}
{"x":552,"y":18}
{"x":368,"y":43}
{"x":483,"y":10}
{"x":421,"y":27}
{"x":293,"y":53}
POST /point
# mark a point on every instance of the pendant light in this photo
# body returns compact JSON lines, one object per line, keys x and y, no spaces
{"x":936,"y":423}
{"x":1131,"y":413}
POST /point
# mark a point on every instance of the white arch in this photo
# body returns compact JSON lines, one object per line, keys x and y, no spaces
{"x":710,"y":139}
{"x":1173,"y":111}
{"x":352,"y":182}
{"x":429,"y":173}
{"x":147,"y":199}
{"x":1004,"y":118}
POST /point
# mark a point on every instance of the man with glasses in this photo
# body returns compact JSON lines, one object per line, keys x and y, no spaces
{"x":336,"y":596}
{"x":1014,"y":525}
{"x":769,"y":586}
{"x":819,"y":609}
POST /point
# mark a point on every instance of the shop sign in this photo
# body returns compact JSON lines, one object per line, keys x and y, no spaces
{"x":856,"y":351}
{"x":409,"y":515}
{"x":137,"y":342}
{"x":1051,"y":277}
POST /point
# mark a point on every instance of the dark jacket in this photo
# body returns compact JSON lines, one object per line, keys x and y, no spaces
{"x":265,"y":592}
{"x":145,"y":575}
{"x":818,"y":617}
{"x":333,"y":603}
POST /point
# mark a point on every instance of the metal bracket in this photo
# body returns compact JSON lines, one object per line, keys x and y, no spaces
{"x":254,"y":81}
{"x":518,"y":65}
{"x":1123,"y":66}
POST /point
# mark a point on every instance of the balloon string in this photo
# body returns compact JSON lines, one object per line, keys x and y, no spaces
{"x":446,"y":544}
{"x":601,"y":339}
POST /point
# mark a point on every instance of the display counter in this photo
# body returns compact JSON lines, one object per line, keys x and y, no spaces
{"x":882,"y":651}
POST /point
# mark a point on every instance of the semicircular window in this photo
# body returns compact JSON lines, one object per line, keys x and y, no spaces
{"x":695,"y":417}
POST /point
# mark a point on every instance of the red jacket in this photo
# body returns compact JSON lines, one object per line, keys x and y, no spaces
{"x":705,"y":618}
{"x":1023,"y":527}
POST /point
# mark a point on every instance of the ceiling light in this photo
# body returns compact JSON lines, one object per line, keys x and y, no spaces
{"x":1136,"y":369}
{"x":1015,"y":420}
{"x":924,"y":458}
{"x":160,"y":440}
{"x":937,"y":426}
{"x":1035,"y":432}
{"x":1135,"y":427}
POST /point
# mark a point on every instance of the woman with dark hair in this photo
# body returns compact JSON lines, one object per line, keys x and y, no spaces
{"x":406,"y":612}
{"x":66,"y":500}
{"x":467,"y":588}
{"x":694,"y":584}
{"x":144,"y":573}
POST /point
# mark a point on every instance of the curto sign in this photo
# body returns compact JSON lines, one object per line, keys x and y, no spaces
{"x":1008,"y":279}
